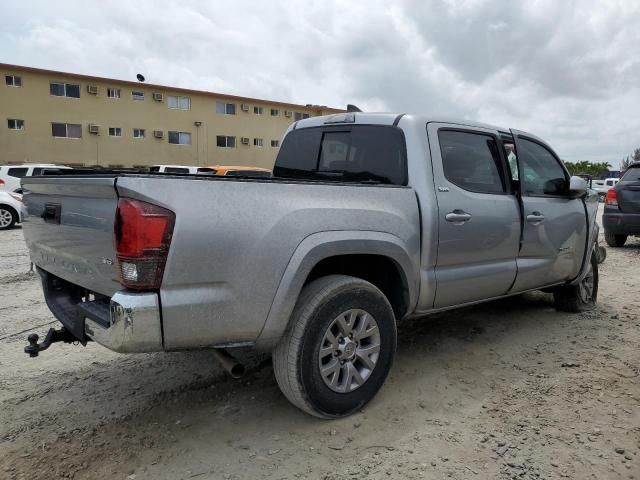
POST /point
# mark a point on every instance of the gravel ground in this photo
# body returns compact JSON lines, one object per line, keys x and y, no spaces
{"x":511,"y":389}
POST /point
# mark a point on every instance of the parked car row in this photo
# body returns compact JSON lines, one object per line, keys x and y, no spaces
{"x":621,"y":217}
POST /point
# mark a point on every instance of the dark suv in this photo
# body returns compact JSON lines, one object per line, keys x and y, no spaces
{"x":622,"y":208}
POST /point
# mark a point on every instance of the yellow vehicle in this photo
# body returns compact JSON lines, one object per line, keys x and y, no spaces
{"x":240,"y":171}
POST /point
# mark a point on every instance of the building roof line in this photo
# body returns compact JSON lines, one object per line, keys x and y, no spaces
{"x":79,"y":76}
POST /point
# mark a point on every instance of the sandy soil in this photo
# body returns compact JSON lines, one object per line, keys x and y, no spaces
{"x":511,"y":389}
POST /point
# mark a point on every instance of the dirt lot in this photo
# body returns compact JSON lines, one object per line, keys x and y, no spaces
{"x":511,"y":389}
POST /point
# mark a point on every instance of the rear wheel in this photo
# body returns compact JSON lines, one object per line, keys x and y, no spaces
{"x":8,"y":217}
{"x":614,"y":240}
{"x":580,"y":297}
{"x":339,"y":348}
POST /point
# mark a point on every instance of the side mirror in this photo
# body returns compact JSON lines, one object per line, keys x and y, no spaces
{"x":577,"y":187}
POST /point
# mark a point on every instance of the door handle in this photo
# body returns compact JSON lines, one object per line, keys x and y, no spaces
{"x":535,"y":218}
{"x":458,"y":216}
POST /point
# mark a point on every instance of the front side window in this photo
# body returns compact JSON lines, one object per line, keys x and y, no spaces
{"x":138,"y":133}
{"x":137,"y":96}
{"x":226,"y":141}
{"x":180,"y":138}
{"x":17,"y":172}
{"x":178,"y":103}
{"x":15,"y":124}
{"x":471,"y":161}
{"x":363,"y":153}
{"x":13,"y":80}
{"x":113,"y":92}
{"x":59,"y":89}
{"x":66,"y":130}
{"x":541,"y":173}
{"x":115,"y":131}
{"x":176,"y":170}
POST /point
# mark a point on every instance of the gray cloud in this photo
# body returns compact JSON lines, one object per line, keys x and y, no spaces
{"x":567,"y":71}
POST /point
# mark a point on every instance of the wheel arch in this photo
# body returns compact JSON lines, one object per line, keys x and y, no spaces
{"x":357,"y":253}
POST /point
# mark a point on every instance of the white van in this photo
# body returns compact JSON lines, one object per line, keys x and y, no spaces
{"x":181,"y":169}
{"x":10,"y":175}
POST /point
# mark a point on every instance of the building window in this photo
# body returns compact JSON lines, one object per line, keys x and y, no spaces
{"x":15,"y":124}
{"x":224,"y":141}
{"x":274,"y":112}
{"x":226,"y":108}
{"x":139,"y":96}
{"x":115,"y":131}
{"x":180,"y":138}
{"x":138,"y":133}
{"x":179,"y":103}
{"x":305,"y":115}
{"x":66,"y":130}
{"x":301,"y":116}
{"x":275,"y":143}
{"x":257,"y":142}
{"x":113,"y":92}
{"x":13,"y":81}
{"x":70,"y":90}
{"x":257,"y":110}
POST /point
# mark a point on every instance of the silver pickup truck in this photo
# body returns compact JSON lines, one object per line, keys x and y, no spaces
{"x":369,"y":219}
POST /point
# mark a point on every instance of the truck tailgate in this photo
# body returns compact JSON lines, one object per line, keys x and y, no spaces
{"x":69,"y":229}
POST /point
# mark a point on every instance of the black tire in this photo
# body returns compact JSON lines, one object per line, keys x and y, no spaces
{"x":296,"y":358}
{"x":5,"y":210}
{"x":615,"y":240}
{"x":572,"y":298}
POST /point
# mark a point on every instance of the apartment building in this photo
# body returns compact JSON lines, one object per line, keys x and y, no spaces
{"x":66,"y":118}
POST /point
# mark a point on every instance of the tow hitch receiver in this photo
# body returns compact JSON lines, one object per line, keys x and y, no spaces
{"x":53,"y":336}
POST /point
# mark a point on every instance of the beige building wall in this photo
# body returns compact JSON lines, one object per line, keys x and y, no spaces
{"x":33,"y":103}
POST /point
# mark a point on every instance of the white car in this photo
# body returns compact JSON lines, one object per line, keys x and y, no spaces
{"x":10,"y":175}
{"x":603,"y":186}
{"x":10,"y":209}
{"x":182,"y":169}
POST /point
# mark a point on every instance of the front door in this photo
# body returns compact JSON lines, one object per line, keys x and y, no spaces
{"x":555,"y":225}
{"x":478,"y":215}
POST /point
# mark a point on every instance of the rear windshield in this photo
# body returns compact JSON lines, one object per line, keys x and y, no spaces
{"x":631,"y":175}
{"x":357,"y":153}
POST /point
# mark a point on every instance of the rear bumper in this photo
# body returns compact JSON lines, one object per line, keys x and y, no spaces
{"x":132,"y":324}
{"x":128,"y":322}
{"x":619,"y":223}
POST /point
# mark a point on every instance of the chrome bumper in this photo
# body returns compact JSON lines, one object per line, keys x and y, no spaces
{"x":133,"y":325}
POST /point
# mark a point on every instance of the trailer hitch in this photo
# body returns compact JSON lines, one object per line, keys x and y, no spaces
{"x":53,"y":336}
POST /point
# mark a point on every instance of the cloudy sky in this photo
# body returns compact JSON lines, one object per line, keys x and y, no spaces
{"x":568,"y":71}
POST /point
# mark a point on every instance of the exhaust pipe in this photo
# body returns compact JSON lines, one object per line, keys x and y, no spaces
{"x":229,"y":363}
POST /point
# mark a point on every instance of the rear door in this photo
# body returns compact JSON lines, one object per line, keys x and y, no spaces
{"x":478,"y":215}
{"x":555,"y":225}
{"x":628,"y":191}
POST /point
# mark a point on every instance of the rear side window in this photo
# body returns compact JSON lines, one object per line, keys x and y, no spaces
{"x":471,"y":161}
{"x":154,"y":169}
{"x":176,"y":170}
{"x":17,"y":172}
{"x":359,"y":153}
{"x":631,"y":175}
{"x":206,"y":170}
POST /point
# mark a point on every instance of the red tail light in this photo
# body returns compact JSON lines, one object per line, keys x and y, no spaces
{"x":1,"y":181}
{"x":142,"y":238}
{"x":612,"y":198}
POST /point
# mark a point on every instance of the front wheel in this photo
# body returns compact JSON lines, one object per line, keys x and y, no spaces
{"x":339,"y":347}
{"x":580,"y":297}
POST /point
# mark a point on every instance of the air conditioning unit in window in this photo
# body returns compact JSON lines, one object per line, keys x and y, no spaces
{"x":244,"y":107}
{"x":287,"y":113}
{"x":158,"y":133}
{"x":158,"y":97}
{"x":95,"y":129}
{"x":92,"y":89}
{"x":244,"y":140}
